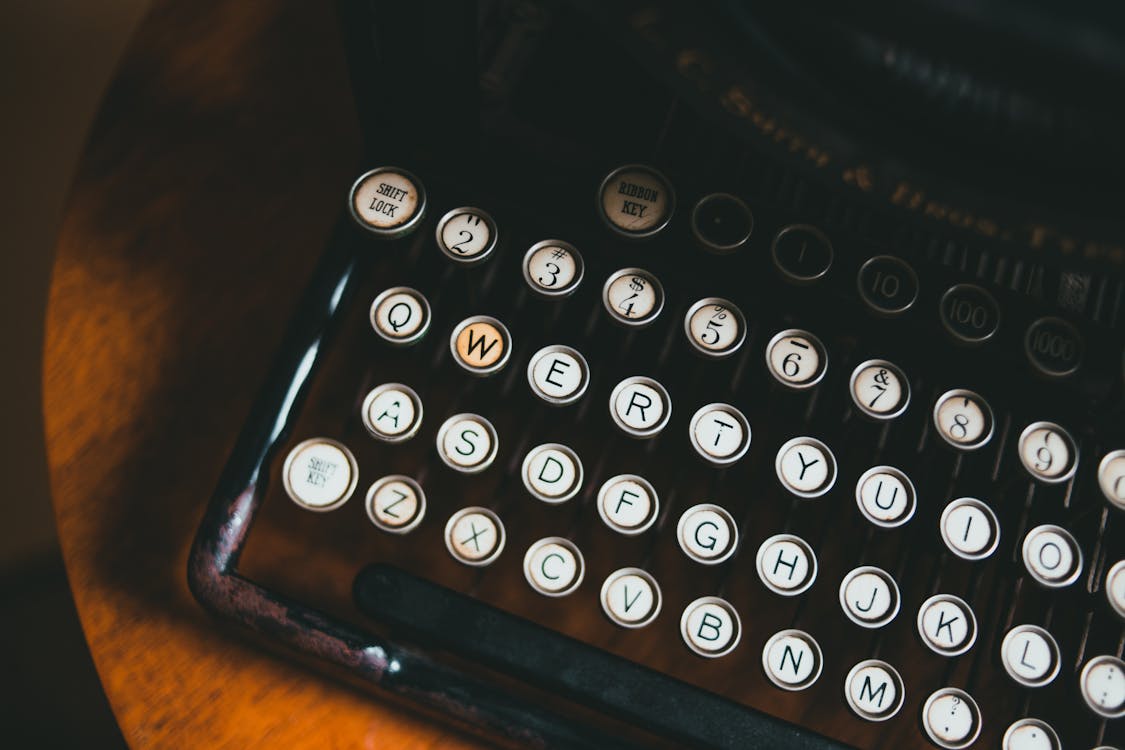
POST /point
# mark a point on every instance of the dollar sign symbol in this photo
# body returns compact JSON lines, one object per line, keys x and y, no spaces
{"x":636,"y":284}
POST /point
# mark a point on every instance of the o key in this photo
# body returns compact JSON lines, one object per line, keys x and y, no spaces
{"x":387,"y":201}
{"x":467,"y":235}
{"x":631,"y":597}
{"x":481,"y":344}
{"x":1052,"y":556}
{"x":792,"y":659}
{"x":400,"y":315}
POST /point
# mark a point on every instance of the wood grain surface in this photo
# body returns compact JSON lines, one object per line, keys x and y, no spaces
{"x":207,"y":190}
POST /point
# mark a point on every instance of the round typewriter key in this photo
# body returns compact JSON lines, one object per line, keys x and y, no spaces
{"x":887,"y":284}
{"x":552,"y":473}
{"x":467,"y":443}
{"x":721,"y":222}
{"x":963,"y":419}
{"x":1030,"y":734}
{"x":481,"y":345}
{"x":400,"y":315}
{"x":396,"y":503}
{"x":553,"y":268}
{"x":558,"y":374}
{"x":392,"y":412}
{"x":1030,"y":655}
{"x":969,"y":313}
{"x":951,"y":718}
{"x":628,"y":504}
{"x":886,"y":496}
{"x":947,"y":625}
{"x":467,"y":235}
{"x":387,"y":201}
{"x":802,"y":253}
{"x":640,"y":406}
{"x":320,"y":474}
{"x":1103,"y":686}
{"x":710,"y":626}
{"x":474,"y":536}
{"x":633,"y":297}
{"x":1051,"y":556}
{"x":720,"y":434}
{"x":792,"y":659}
{"x":874,"y":690}
{"x":786,"y":564}
{"x":715,"y":327}
{"x":869,"y":597}
{"x":1053,"y":346}
{"x":636,"y":201}
{"x":796,"y":358}
{"x":554,"y":566}
{"x":1115,"y":587}
{"x":707,"y":534}
{"x":1048,"y":452}
{"x":1111,"y":477}
{"x":806,"y":467}
{"x":631,"y":597}
{"x":970,"y":529}
{"x":879,"y":389}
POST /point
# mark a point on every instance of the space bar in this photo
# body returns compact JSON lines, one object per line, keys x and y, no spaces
{"x":557,"y":663}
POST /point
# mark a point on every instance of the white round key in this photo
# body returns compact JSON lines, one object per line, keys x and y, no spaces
{"x":396,"y":503}
{"x":786,"y":564}
{"x":947,"y":624}
{"x":715,"y":327}
{"x":392,"y":412}
{"x":474,"y":536}
{"x":796,"y":358}
{"x":636,"y":201}
{"x":467,"y":443}
{"x":467,"y":235}
{"x":886,"y":496}
{"x":631,"y":597}
{"x":869,"y":597}
{"x":880,"y":389}
{"x":481,"y":344}
{"x":400,"y":315}
{"x":1048,"y":452}
{"x":1051,"y":556}
{"x":552,"y":473}
{"x":951,"y":718}
{"x":792,"y":659}
{"x":969,"y":529}
{"x":387,"y":201}
{"x":963,"y":419}
{"x":554,"y":566}
{"x":640,"y":406}
{"x":707,"y":533}
{"x":1111,"y":477}
{"x":1115,"y":587}
{"x":720,"y":434}
{"x":628,"y":504}
{"x":710,"y":626}
{"x":633,"y":297}
{"x":806,"y":467}
{"x":553,"y":268}
{"x":1030,"y":734}
{"x":1103,"y":686}
{"x":1030,"y":655}
{"x":558,"y":374}
{"x":874,"y":690}
{"x":320,"y":474}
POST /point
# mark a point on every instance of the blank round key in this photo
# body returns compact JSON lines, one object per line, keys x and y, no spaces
{"x":1115,"y":587}
{"x":710,"y":627}
{"x":466,"y":235}
{"x":628,"y":504}
{"x":951,"y":718}
{"x":392,"y":412}
{"x":553,"y":268}
{"x":1102,"y":682}
{"x":481,"y":344}
{"x":806,"y":467}
{"x":558,"y":374}
{"x":969,"y":528}
{"x":1111,"y":477}
{"x":720,"y":434}
{"x":633,"y":297}
{"x":1048,"y":452}
{"x":640,"y":406}
{"x":1030,"y":734}
{"x":474,"y":536}
{"x":707,"y":533}
{"x":467,"y":443}
{"x":879,"y":389}
{"x":1052,"y":556}
{"x":715,"y":327}
{"x":400,"y":315}
{"x":320,"y":474}
{"x":552,"y":473}
{"x":554,"y":566}
{"x":796,"y":358}
{"x":786,"y":564}
{"x":963,"y":419}
{"x":721,"y":222}
{"x":792,"y":659}
{"x":869,"y":597}
{"x":1030,"y":655}
{"x":631,"y":597}
{"x":636,"y":201}
{"x":886,"y":496}
{"x":387,"y":201}
{"x":874,"y":690}
{"x":947,"y":625}
{"x":396,"y":503}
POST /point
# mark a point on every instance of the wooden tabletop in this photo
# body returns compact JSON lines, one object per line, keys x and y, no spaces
{"x":207,"y":191}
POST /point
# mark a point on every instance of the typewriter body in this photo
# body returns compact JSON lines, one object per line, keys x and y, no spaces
{"x":647,"y":395}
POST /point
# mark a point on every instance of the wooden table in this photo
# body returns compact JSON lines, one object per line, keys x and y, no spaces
{"x":207,"y":190}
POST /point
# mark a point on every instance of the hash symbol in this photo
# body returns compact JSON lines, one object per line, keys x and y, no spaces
{"x":558,"y":253}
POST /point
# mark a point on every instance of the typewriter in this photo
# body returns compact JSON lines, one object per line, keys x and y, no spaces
{"x":707,"y":375}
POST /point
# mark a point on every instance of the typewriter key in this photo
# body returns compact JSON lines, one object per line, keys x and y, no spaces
{"x":806,"y":467}
{"x":558,"y":374}
{"x":947,"y":625}
{"x":392,"y":412}
{"x":710,"y":627}
{"x":1115,"y":587}
{"x":1051,"y":556}
{"x":1030,"y":734}
{"x":633,"y":297}
{"x":885,"y":496}
{"x":388,"y":201}
{"x":802,"y":253}
{"x":1103,"y":686}
{"x":721,"y":222}
{"x":869,"y":597}
{"x":554,"y":566}
{"x":552,"y":473}
{"x":792,"y":659}
{"x":880,"y":389}
{"x":796,"y":358}
{"x":636,"y":201}
{"x":720,"y":434}
{"x":467,"y":443}
{"x":1111,"y":477}
{"x":631,"y":597}
{"x":707,"y":533}
{"x":970,"y":529}
{"x":887,"y":284}
{"x":874,"y":690}
{"x":1030,"y":655}
{"x":628,"y":504}
{"x":320,"y":474}
{"x":1048,"y":452}
{"x":715,"y":327}
{"x":640,"y":406}
{"x":951,"y":718}
{"x":481,"y":345}
{"x":467,"y":235}
{"x":786,"y":564}
{"x":400,"y":315}
{"x":474,"y":536}
{"x":553,"y":268}
{"x":963,"y":419}
{"x":396,"y":503}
